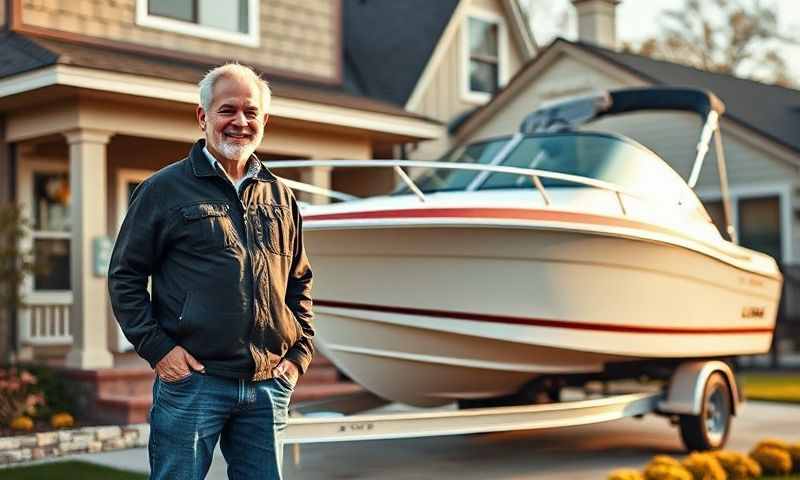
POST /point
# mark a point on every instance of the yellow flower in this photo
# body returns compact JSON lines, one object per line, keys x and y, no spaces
{"x":625,"y":474}
{"x":62,"y":420}
{"x":22,"y":423}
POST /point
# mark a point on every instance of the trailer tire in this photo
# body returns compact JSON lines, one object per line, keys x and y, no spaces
{"x":710,"y":429}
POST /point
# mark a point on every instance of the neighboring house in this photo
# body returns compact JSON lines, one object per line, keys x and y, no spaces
{"x":761,"y":130}
{"x":441,"y":63}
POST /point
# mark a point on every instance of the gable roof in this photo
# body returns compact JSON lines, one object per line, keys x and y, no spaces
{"x":387,"y":44}
{"x":771,"y":110}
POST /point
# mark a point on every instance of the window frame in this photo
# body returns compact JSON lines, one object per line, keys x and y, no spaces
{"x":467,"y":94}
{"x":743,"y":192}
{"x":250,"y":39}
{"x":29,"y":167}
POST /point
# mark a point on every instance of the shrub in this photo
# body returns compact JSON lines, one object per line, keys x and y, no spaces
{"x":55,"y":390}
{"x":772,"y":443}
{"x":625,"y":474}
{"x":22,"y":423}
{"x":19,"y":394}
{"x":703,"y":466}
{"x":663,"y":460}
{"x":662,"y":471}
{"x":794,"y":452}
{"x":772,"y":460}
{"x":738,"y":466}
{"x":62,"y":420}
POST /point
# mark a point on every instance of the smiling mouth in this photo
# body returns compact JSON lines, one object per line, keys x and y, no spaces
{"x":237,"y":136}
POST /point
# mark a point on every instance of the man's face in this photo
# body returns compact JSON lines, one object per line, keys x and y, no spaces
{"x":234,"y":124}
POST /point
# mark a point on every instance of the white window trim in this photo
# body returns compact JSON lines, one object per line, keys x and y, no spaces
{"x":480,"y":98}
{"x":251,"y":39}
{"x":27,"y":168}
{"x":739,"y":192}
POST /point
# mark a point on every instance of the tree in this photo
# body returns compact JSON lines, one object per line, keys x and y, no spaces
{"x":13,"y":268}
{"x":734,"y":37}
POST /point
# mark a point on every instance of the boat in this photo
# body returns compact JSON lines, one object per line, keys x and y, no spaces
{"x":553,"y":253}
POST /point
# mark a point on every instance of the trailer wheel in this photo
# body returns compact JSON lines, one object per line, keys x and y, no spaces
{"x":710,"y":429}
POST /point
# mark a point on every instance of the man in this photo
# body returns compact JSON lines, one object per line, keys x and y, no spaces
{"x":228,"y":328}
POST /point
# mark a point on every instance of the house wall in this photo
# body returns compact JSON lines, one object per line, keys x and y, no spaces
{"x":443,"y":99}
{"x":298,"y":37}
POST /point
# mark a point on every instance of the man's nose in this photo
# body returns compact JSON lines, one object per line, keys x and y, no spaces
{"x":240,"y":119}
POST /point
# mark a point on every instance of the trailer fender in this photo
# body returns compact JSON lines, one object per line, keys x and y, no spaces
{"x":686,"y":387}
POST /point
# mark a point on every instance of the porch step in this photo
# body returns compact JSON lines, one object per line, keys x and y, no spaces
{"x":122,"y":410}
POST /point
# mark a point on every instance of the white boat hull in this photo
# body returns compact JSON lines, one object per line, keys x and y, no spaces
{"x":418,"y":317}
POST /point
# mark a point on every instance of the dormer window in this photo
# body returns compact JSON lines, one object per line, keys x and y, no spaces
{"x":485,"y":46}
{"x":231,"y":21}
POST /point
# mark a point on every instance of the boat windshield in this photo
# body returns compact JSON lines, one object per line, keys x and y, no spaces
{"x":441,"y":180}
{"x":593,"y":155}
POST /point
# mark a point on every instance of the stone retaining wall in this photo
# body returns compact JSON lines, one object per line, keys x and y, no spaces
{"x":66,"y":442}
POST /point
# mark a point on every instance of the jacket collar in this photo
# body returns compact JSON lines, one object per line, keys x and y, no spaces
{"x":201,"y":167}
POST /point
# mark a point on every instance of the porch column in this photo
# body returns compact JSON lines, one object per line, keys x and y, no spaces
{"x":87,"y":181}
{"x":319,"y":177}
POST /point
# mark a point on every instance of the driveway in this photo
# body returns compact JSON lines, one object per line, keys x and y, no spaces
{"x":588,"y":452}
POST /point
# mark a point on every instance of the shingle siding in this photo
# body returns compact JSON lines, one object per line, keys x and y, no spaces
{"x":296,"y":37}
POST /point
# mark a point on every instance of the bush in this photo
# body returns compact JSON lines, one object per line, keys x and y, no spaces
{"x":738,"y":466}
{"x":625,"y":474}
{"x":703,"y":466}
{"x":794,"y":452}
{"x":55,"y":390}
{"x":62,"y":420}
{"x":23,"y":423}
{"x":772,"y":460}
{"x":19,"y":394}
{"x":662,"y":471}
{"x":772,"y":443}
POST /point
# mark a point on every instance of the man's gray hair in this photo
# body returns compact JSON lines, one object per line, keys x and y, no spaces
{"x":234,"y":70}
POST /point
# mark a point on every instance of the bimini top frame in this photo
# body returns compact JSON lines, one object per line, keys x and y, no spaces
{"x":571,"y":113}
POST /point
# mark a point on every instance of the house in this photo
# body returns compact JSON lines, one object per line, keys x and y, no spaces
{"x":761,"y":131}
{"x":95,"y":95}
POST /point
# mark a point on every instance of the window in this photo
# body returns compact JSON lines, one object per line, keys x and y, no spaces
{"x":484,"y":52}
{"x":51,"y":231}
{"x":757,"y":219}
{"x":233,"y":21}
{"x":760,"y":225}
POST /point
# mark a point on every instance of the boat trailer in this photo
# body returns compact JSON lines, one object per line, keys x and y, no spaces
{"x":701,"y":397}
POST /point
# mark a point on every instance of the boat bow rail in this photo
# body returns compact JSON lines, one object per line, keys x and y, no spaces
{"x":398,"y":165}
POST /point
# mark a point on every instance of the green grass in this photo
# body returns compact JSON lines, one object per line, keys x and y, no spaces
{"x":776,"y":387}
{"x":71,"y":470}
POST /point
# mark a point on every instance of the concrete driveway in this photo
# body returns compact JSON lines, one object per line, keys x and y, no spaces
{"x":588,"y":452}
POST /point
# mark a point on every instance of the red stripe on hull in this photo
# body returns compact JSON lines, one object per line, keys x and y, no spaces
{"x":537,"y":322}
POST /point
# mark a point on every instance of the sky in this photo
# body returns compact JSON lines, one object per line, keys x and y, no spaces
{"x":638,"y":19}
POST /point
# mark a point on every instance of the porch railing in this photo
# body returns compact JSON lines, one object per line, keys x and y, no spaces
{"x":45,"y":322}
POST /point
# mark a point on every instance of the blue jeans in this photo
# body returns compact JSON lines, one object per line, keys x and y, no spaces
{"x":190,"y":415}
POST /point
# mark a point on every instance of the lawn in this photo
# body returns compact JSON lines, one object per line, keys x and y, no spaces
{"x":776,"y":387}
{"x":71,"y":470}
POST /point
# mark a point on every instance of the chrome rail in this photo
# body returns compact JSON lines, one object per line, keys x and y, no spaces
{"x":535,"y":174}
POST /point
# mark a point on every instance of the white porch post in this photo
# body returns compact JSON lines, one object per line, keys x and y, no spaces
{"x":87,"y":180}
{"x":319,"y":177}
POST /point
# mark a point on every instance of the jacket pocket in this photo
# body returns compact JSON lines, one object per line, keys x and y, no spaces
{"x":208,"y":226}
{"x":277,"y":228}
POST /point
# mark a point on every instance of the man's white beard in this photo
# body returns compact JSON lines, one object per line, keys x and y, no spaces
{"x":236,"y":151}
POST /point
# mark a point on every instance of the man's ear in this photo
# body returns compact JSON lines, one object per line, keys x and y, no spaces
{"x":201,"y":118}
